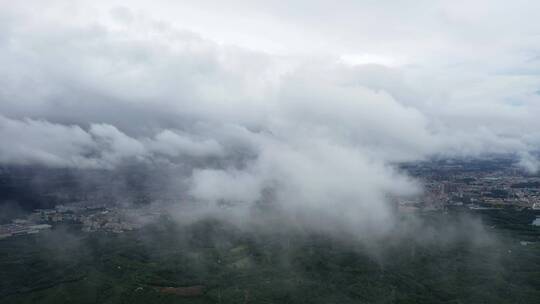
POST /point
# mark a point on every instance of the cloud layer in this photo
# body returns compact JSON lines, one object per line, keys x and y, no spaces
{"x":316,"y":132}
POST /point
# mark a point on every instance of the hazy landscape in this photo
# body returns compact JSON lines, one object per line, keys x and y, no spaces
{"x":269,"y":151}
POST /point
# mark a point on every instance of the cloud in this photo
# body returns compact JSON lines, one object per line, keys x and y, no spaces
{"x":233,"y":186}
{"x":97,"y":86}
{"x":114,"y":145}
{"x":529,"y":163}
{"x":172,"y":144}
{"x":38,"y":142}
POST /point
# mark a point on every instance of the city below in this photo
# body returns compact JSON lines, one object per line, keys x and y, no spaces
{"x":448,"y":184}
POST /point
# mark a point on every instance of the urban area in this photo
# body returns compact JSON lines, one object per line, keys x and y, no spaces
{"x":447,"y":184}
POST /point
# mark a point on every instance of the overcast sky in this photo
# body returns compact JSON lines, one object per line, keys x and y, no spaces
{"x":316,"y":100}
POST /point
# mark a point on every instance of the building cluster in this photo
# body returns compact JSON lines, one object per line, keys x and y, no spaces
{"x":456,"y":185}
{"x":90,"y":218}
{"x":485,"y":192}
{"x":21,"y":227}
{"x":110,"y":221}
{"x":447,"y":184}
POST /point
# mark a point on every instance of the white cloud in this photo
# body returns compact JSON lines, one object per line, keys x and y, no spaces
{"x":530,"y":163}
{"x":172,"y":144}
{"x":314,"y":103}
{"x":38,"y":141}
